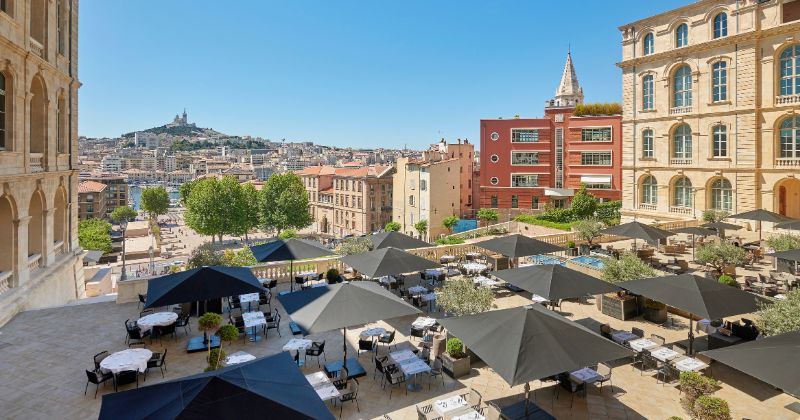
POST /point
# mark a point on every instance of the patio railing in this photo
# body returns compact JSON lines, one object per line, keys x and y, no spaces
{"x":6,"y":278}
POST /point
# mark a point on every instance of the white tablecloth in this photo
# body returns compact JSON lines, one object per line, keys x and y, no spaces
{"x":297,"y":344}
{"x":308,"y":275}
{"x":474,"y":267}
{"x":249,"y":297}
{"x":621,"y":337}
{"x":409,"y":363}
{"x":482,"y":281}
{"x":423,"y":322}
{"x":253,"y":319}
{"x":238,"y":357}
{"x":130,"y":359}
{"x":325,"y":389}
{"x":664,"y":354}
{"x":161,"y":319}
{"x":705,"y":326}
{"x":642,"y":344}
{"x":373,"y":332}
{"x":539,"y":299}
{"x":690,"y":364}
{"x":434,"y":272}
{"x":469,"y":415}
{"x":585,"y":375}
{"x":387,"y":280}
{"x":449,"y":405}
{"x":427,"y":297}
{"x":417,"y":290}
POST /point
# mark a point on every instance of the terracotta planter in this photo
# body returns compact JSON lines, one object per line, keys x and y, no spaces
{"x":456,"y":368}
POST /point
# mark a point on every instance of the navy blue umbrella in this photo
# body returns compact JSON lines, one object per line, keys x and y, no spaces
{"x":291,"y":249}
{"x":202,"y":283}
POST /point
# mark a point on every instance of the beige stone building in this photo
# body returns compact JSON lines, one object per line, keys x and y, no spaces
{"x":711,"y":94}
{"x":350,"y":200}
{"x":92,"y":203}
{"x":39,"y":252}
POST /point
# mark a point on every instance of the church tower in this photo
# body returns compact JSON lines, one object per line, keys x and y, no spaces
{"x":569,"y":92}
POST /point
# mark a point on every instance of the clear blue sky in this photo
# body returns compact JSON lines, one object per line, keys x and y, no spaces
{"x":345,"y":72}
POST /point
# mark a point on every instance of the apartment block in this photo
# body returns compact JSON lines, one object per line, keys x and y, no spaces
{"x":92,"y":200}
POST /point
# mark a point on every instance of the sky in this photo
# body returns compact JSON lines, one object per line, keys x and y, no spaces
{"x":342,"y":73}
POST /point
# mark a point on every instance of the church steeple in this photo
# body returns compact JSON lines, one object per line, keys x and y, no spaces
{"x":569,"y":92}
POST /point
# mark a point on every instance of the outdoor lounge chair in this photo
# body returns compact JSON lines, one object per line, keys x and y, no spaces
{"x":96,"y":377}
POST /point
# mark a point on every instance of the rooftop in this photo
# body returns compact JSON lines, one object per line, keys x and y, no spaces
{"x":91,"y":187}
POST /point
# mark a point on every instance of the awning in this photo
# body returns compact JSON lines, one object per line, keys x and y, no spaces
{"x":595,"y":179}
{"x":559,"y":192}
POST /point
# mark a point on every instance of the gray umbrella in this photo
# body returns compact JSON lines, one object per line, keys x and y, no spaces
{"x":526,"y":343}
{"x":772,"y":360}
{"x":516,"y":246}
{"x":291,"y":250}
{"x":344,"y":305}
{"x":396,"y":240}
{"x":791,"y":225}
{"x":554,"y":282}
{"x":721,"y":227}
{"x":761,"y":215}
{"x":636,"y":230}
{"x":694,"y":231}
{"x":791,"y":255}
{"x":697,"y":295}
{"x":388,"y":262}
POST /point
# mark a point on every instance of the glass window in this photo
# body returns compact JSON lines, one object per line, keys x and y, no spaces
{"x":720,"y":25}
{"x":790,"y":71}
{"x":647,"y":92}
{"x":423,"y":185}
{"x":721,"y":195}
{"x":682,"y":193}
{"x":790,"y":138}
{"x":596,"y":134}
{"x":524,"y":136}
{"x":650,"y":190}
{"x":494,"y":158}
{"x":534,"y":202}
{"x":514,"y":201}
{"x":682,"y":82}
{"x":494,"y":202}
{"x":2,"y":111}
{"x":719,"y":83}
{"x":649,"y":47}
{"x":494,"y":180}
{"x":524,"y":180}
{"x":682,"y":142}
{"x":647,"y":144}
{"x":596,"y":158}
{"x":524,"y":158}
{"x":410,"y":200}
{"x":598,"y":185}
{"x":682,"y":36}
{"x":720,"y":141}
{"x":494,"y":136}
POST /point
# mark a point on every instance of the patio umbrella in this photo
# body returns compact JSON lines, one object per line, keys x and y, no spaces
{"x":396,"y":240}
{"x":761,"y":215}
{"x":516,"y":246}
{"x":388,"y":262}
{"x":526,"y":343}
{"x":694,"y":231}
{"x":554,"y":282}
{"x":291,"y":249}
{"x":273,"y":386}
{"x":202,"y":283}
{"x":721,"y":227}
{"x":791,"y":255}
{"x":791,"y":225}
{"x":343,"y":305}
{"x":636,"y":230}
{"x":772,"y":360}
{"x":697,"y":295}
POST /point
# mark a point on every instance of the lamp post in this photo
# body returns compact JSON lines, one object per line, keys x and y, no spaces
{"x":123,"y":224}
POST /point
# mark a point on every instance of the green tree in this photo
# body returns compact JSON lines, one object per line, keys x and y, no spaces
{"x":123,"y":213}
{"x":781,"y":316}
{"x":93,"y":234}
{"x":583,"y":203}
{"x":720,"y":255}
{"x":288,"y":233}
{"x":284,"y":203}
{"x":628,"y":267}
{"x":251,"y":204}
{"x":207,"y":208}
{"x":241,"y":258}
{"x":459,"y":296}
{"x":155,"y":201}
{"x":208,"y":323}
{"x":449,"y":223}
{"x":204,"y":256}
{"x":713,"y":216}
{"x":353,"y":246}
{"x":392,"y":227}
{"x":184,"y":190}
{"x":488,"y":216}
{"x":588,"y":229}
{"x":784,"y":242}
{"x":421,"y":227}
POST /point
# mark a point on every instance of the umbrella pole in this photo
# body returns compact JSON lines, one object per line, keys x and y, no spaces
{"x":691,"y":336}
{"x":693,"y":246}
{"x":291,"y":276}
{"x":527,"y":395}
{"x":344,"y":347}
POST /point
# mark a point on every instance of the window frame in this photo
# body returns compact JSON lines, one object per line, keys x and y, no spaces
{"x":682,"y":97}
{"x":682,"y":35}
{"x":720,"y":25}
{"x":516,"y":152}
{"x":791,"y":126}
{"x":528,"y":175}
{"x":4,"y":105}
{"x":649,"y":194}
{"x":648,"y":92}
{"x":648,"y":44}
{"x":721,"y":196}
{"x":682,"y":193}
{"x":648,"y":152}
{"x":517,"y":135}
{"x":719,"y":81}
{"x":593,"y":130}
{"x":597,"y":155}
{"x":719,"y":141}
{"x":686,"y":140}
{"x":789,"y":71}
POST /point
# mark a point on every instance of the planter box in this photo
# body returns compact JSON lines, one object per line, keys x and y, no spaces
{"x":658,"y":316}
{"x":623,"y":308}
{"x":456,"y":368}
{"x":572,"y":252}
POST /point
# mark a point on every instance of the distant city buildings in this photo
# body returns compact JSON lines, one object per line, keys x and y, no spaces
{"x":91,"y":200}
{"x":116,"y":192}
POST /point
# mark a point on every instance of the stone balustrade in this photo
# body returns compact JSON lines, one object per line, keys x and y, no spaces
{"x":6,"y":281}
{"x":34,"y":262}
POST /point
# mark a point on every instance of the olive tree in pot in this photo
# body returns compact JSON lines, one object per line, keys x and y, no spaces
{"x":207,"y":323}
{"x":460,"y":297}
{"x":587,"y":230}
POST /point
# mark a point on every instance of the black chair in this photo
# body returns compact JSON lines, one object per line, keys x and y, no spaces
{"x":126,"y":377}
{"x":417,"y":332}
{"x":273,"y":324}
{"x":146,"y":312}
{"x":142,"y":299}
{"x":350,"y":394}
{"x":265,"y":298}
{"x":340,"y":382}
{"x":183,"y":321}
{"x":238,"y":322}
{"x":135,"y":335}
{"x":272,"y":284}
{"x":158,"y":360}
{"x":398,"y":379}
{"x":317,"y":350}
{"x":96,"y":377}
{"x":99,"y":358}
{"x":387,"y":339}
{"x":637,"y":332}
{"x":365,"y":345}
{"x":301,"y":281}
{"x":380,"y":367}
{"x":436,"y":370}
{"x":162,"y":330}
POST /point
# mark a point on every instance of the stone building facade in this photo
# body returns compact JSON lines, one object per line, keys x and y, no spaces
{"x":39,"y":252}
{"x":92,"y":202}
{"x":711,"y":92}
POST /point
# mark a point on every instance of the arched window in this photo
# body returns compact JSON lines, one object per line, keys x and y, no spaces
{"x":682,"y":142}
{"x":649,"y":46}
{"x":3,"y":107}
{"x":650,"y":190}
{"x":720,"y":25}
{"x":682,"y":85}
{"x":790,"y":138}
{"x":648,"y":149}
{"x":719,"y":81}
{"x":682,"y":193}
{"x":682,"y":35}
{"x":647,"y":92}
{"x":719,"y":141}
{"x":721,"y":195}
{"x":790,"y":70}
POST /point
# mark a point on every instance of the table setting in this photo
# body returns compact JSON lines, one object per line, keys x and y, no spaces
{"x":160,"y":319}
{"x":238,"y":357}
{"x":641,"y":344}
{"x":130,"y":359}
{"x":253,"y":320}
{"x":622,"y":337}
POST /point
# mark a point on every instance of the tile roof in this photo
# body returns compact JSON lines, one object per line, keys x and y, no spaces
{"x":91,"y":187}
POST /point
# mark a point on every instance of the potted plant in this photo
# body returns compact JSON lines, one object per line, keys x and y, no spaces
{"x":210,"y":321}
{"x":727,"y":280}
{"x":332,"y":275}
{"x":587,"y":230}
{"x":572,"y":251}
{"x":455,"y":362}
{"x":655,"y":311}
{"x":215,"y":358}
{"x":693,"y":386}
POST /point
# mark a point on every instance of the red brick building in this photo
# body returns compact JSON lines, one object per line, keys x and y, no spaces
{"x":527,"y":162}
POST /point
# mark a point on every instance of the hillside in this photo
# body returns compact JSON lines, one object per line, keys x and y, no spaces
{"x":179,"y":131}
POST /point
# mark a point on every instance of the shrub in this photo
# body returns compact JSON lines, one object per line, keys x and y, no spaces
{"x":712,"y":216}
{"x":628,"y":267}
{"x":488,"y":215}
{"x":727,"y":280}
{"x":449,"y":240}
{"x":784,"y":242}
{"x":537,"y":220}
{"x":608,"y":212}
{"x":711,"y":408}
{"x":583,"y":203}
{"x":720,"y":255}
{"x":781,"y":316}
{"x":392,"y":227}
{"x":570,"y":244}
{"x":332,"y":274}
{"x":449,"y":223}
{"x":587,"y":229}
{"x":597,"y":109}
{"x":228,"y":332}
{"x":353,"y":246}
{"x":204,"y":255}
{"x":558,"y":215}
{"x":215,"y":358}
{"x":455,"y":348}
{"x":288,"y":233}
{"x":241,"y":258}
{"x":693,"y":386}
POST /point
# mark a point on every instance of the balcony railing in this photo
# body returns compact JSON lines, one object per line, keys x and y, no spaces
{"x":6,"y":279}
{"x":680,"y":110}
{"x":36,"y":47}
{"x":34,"y":262}
{"x":787,"y":99}
{"x":680,"y":161}
{"x":783,"y":162}
{"x":645,"y":206}
{"x":36,"y":162}
{"x":59,"y":248}
{"x":680,"y":210}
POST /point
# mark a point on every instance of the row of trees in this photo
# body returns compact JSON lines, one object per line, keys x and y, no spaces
{"x":218,"y":207}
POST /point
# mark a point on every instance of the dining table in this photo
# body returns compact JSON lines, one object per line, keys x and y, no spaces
{"x":417,"y":290}
{"x":642,"y":344}
{"x":585,"y":376}
{"x":158,"y":319}
{"x":410,"y":365}
{"x":238,"y":357}
{"x":249,"y":299}
{"x":663,"y":354}
{"x":474,"y":268}
{"x":449,"y":406}
{"x":423,"y":322}
{"x":690,"y":364}
{"x":253,"y":320}
{"x":622,"y":337}
{"x":323,"y":386}
{"x":483,"y":281}
{"x":372,"y":332}
{"x":129,"y":359}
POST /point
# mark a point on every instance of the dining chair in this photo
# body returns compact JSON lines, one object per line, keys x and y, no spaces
{"x":350,"y":394}
{"x":605,"y":376}
{"x":99,"y":358}
{"x":317,"y":349}
{"x":142,"y":299}
{"x":183,"y":322}
{"x":387,"y":339}
{"x":126,"y":377}
{"x":637,"y":332}
{"x":395,"y":380}
{"x":657,"y":339}
{"x":273,"y":324}
{"x":436,"y":370}
{"x":96,"y":377}
{"x":158,"y":360}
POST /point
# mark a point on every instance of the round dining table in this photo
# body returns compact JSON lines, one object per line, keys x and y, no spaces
{"x":160,"y":319}
{"x":130,"y":359}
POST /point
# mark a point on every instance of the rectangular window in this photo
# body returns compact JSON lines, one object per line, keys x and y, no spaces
{"x":524,"y":136}
{"x":494,"y":202}
{"x":720,"y":141}
{"x":524,"y":180}
{"x":596,"y":134}
{"x":647,"y":93}
{"x":596,"y":158}
{"x":598,"y":186}
{"x":514,"y":201}
{"x":647,"y":144}
{"x":2,"y":111}
{"x":534,"y":202}
{"x":524,"y":158}
{"x":410,"y":200}
{"x":720,"y":81}
{"x":423,"y":185}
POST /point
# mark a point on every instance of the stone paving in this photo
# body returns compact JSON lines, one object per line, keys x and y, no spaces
{"x":43,"y":355}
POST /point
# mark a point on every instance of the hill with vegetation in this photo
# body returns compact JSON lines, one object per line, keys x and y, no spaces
{"x":179,"y":131}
